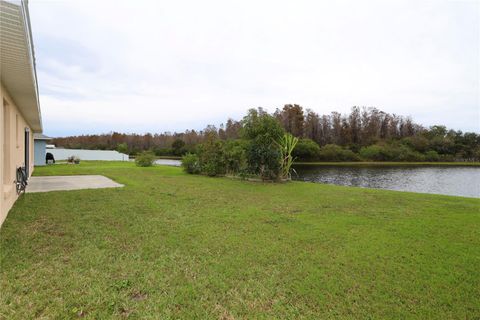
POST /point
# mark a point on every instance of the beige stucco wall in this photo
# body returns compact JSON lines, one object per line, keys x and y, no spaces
{"x":16,"y":125}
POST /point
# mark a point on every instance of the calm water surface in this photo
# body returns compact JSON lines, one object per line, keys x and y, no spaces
{"x":455,"y":181}
{"x":168,"y":162}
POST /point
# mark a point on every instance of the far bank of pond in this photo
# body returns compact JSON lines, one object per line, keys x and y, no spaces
{"x":447,"y":178}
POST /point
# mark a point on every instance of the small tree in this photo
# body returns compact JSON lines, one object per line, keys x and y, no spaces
{"x":122,"y":148}
{"x":261,"y":130}
{"x":210,"y":154}
{"x":235,"y":156}
{"x":178,"y":147}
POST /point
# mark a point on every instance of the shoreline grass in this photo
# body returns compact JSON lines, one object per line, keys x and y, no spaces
{"x":172,"y":245}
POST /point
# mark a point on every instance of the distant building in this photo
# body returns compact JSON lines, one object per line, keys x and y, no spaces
{"x":20,"y":115}
{"x":40,"y":148}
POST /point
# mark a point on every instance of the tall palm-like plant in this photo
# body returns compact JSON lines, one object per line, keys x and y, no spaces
{"x":286,"y":144}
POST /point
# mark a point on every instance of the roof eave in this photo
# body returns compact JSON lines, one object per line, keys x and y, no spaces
{"x":28,"y":27}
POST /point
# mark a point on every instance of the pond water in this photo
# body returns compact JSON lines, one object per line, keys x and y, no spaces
{"x":451,"y":180}
{"x":455,"y":181}
{"x":169,"y":162}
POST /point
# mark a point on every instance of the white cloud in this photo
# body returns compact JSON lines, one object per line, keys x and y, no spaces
{"x":154,"y":66}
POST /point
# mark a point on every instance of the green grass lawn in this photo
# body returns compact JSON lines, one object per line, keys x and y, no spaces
{"x":171,"y":245}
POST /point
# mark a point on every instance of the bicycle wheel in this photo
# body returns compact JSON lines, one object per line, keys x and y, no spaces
{"x":21,"y":180}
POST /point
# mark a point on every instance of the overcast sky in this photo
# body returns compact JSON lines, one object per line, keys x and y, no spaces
{"x":154,"y":66}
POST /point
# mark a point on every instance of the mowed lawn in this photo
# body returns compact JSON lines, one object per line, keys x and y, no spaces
{"x":175,"y":246}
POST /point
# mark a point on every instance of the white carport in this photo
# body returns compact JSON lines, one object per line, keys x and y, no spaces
{"x":103,"y":155}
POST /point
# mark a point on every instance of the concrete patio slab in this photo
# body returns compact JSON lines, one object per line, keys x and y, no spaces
{"x":62,"y":183}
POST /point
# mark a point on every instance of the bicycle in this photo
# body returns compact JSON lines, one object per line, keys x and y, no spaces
{"x":21,"y":180}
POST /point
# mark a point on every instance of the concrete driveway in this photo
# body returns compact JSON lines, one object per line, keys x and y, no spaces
{"x":62,"y":183}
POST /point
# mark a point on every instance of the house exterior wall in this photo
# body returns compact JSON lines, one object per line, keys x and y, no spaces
{"x":40,"y":152}
{"x":12,"y":143}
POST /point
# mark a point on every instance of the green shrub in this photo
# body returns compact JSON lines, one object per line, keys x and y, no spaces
{"x":432,"y":156}
{"x":349,"y":155}
{"x":306,"y":149}
{"x":408,"y":155}
{"x":442,"y":145}
{"x":163,"y":152}
{"x":178,"y":147}
{"x":375,"y":152}
{"x":404,"y":153}
{"x":122,"y":148}
{"x":145,"y":159}
{"x":263,"y":160}
{"x":417,"y":143}
{"x":211,"y":157}
{"x":391,"y":152}
{"x":333,"y":152}
{"x":191,"y":163}
{"x":235,"y":156}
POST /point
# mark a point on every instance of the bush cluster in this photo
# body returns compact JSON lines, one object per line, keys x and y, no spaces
{"x":216,"y":157}
{"x":394,"y":153}
{"x":332,"y":152}
{"x":256,"y":153}
{"x":235,"y":157}
{"x":211,"y":157}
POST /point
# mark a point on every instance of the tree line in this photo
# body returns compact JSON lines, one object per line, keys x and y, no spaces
{"x":362,"y":134}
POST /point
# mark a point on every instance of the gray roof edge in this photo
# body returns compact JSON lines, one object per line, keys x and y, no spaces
{"x":40,"y":136}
